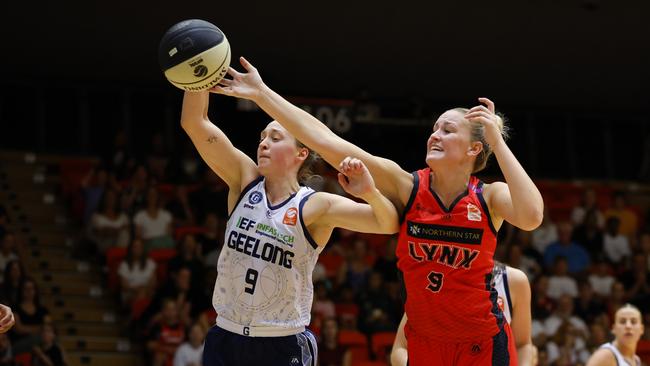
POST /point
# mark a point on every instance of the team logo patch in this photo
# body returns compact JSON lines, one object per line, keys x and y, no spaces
{"x":290,"y":217}
{"x":255,"y":197}
{"x":473,"y":213}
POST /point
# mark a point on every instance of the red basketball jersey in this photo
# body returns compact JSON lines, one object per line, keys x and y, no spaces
{"x":445,"y":256}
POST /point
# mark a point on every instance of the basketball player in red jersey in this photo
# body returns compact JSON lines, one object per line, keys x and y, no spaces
{"x":449,"y":222}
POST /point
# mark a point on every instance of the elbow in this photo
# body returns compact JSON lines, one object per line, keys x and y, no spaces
{"x":532,"y":219}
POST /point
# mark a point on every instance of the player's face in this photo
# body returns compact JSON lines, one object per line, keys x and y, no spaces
{"x":277,"y":151}
{"x":628,"y":327}
{"x":450,"y":140}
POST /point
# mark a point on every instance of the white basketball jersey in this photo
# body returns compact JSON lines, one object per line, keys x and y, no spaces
{"x":265,"y":267}
{"x":620,"y":360}
{"x":500,"y":278}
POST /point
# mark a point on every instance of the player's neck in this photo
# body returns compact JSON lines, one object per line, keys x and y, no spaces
{"x":449,"y":184}
{"x":278,"y":190}
{"x":627,"y":350}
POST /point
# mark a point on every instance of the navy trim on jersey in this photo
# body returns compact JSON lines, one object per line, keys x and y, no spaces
{"x":442,"y":205}
{"x":414,"y":192}
{"x":302,"y":222}
{"x":248,"y":187}
{"x":498,"y":314}
{"x":271,"y":207}
{"x":614,"y":354}
{"x":500,"y":354}
{"x":506,"y":288}
{"x":479,"y":194}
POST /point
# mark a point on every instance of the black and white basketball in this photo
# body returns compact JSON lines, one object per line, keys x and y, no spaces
{"x":194,"y":55}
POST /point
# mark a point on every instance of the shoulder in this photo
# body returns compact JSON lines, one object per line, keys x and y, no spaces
{"x":602,"y":357}
{"x":490,"y":190}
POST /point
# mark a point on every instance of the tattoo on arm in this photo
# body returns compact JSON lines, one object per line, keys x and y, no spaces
{"x":212,"y":139}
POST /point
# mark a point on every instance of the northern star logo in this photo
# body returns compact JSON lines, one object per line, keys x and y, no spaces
{"x":446,"y":233}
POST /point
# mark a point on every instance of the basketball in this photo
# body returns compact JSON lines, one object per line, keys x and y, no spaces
{"x":194,"y":55}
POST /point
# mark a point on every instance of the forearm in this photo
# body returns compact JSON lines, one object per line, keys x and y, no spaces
{"x":385,"y":213}
{"x":195,"y":108}
{"x":527,"y":201}
{"x":525,"y":355}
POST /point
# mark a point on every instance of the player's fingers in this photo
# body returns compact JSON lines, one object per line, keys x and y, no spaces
{"x":342,"y":180}
{"x":488,"y":103}
{"x":247,"y":65}
{"x":225,"y":81}
{"x":220,"y":90}
{"x":232,"y":72}
{"x":479,"y":108}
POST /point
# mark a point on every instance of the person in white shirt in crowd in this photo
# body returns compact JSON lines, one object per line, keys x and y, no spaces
{"x":615,"y":245}
{"x":560,"y":283}
{"x":153,"y":223}
{"x":601,"y":279}
{"x":190,"y":353}
{"x":564,"y":313}
{"x":137,"y":273}
{"x":109,"y":226}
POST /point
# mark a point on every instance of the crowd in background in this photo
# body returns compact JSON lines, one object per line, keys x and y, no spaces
{"x":156,"y":224}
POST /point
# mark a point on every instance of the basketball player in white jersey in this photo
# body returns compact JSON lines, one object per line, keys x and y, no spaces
{"x":627,"y":330}
{"x":276,"y":229}
{"x":513,"y":291}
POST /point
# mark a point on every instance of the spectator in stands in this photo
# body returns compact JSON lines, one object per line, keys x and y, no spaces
{"x":93,"y":185}
{"x":119,"y":159}
{"x":154,"y":224}
{"x":30,"y":315}
{"x":587,"y":304}
{"x":560,"y":283}
{"x":137,"y":274}
{"x":601,"y":279}
{"x":13,"y":277}
{"x":577,"y":257}
{"x":567,"y":347}
{"x":565,"y":314}
{"x":211,"y":239}
{"x":211,"y":196}
{"x":7,"y":252}
{"x":376,"y":308}
{"x":49,"y":352}
{"x":515,"y":258}
{"x":626,"y":216}
{"x":355,"y":269}
{"x":616,"y":300}
{"x":589,"y":202}
{"x":167,"y":334}
{"x":589,"y":234}
{"x":135,"y":191}
{"x":545,"y":234}
{"x":323,"y":306}
{"x":190,"y":352}
{"x":597,"y":336}
{"x":615,"y":245}
{"x":109,"y":226}
{"x":157,"y":158}
{"x":636,"y":281}
{"x":542,"y":304}
{"x":330,"y":352}
{"x":386,"y":264}
{"x":179,"y":207}
{"x":189,"y":257}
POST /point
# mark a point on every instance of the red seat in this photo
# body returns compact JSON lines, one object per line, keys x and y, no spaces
{"x":381,"y":342}
{"x":352,"y":338}
{"x":358,"y":354}
{"x":23,"y":359}
{"x":162,"y":258}
{"x":332,"y":263}
{"x":114,"y":256}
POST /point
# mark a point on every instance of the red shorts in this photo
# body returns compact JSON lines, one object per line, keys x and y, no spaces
{"x":499,"y":350}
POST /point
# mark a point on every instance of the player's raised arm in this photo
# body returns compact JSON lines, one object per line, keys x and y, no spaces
{"x":232,"y":165}
{"x":390,"y":179}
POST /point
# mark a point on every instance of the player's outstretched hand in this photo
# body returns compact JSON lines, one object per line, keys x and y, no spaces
{"x":246,"y":85}
{"x":6,"y":318}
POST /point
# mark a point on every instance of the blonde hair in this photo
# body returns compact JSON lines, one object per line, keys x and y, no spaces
{"x":306,"y":171}
{"x":477,"y":133}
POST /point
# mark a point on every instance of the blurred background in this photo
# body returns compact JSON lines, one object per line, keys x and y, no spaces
{"x":91,"y":139}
